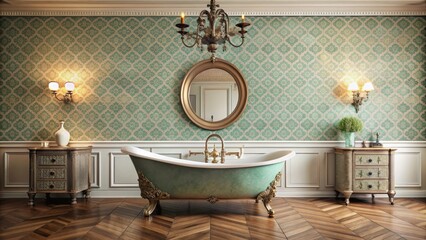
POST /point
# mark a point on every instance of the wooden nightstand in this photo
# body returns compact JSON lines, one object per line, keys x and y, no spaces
{"x":59,"y":170}
{"x":365,"y":170}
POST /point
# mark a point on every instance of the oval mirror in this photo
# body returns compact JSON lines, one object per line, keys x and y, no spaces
{"x":213,"y":94}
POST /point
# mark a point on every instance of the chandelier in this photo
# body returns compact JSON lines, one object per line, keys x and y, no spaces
{"x":216,"y":33}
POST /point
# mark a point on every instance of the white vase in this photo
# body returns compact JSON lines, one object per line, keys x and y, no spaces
{"x":62,"y":135}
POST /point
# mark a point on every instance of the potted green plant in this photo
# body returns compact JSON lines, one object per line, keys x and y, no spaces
{"x":349,"y":126}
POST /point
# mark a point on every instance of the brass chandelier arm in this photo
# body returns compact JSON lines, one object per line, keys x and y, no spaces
{"x":190,"y":45}
{"x":221,"y":12}
{"x":203,"y":14}
{"x":234,"y":45}
{"x":224,"y":22}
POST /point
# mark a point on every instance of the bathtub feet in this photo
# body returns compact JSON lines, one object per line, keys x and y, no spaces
{"x":269,"y":209}
{"x":266,"y":200}
{"x":267,"y":195}
{"x":150,"y":192}
{"x":148,"y":210}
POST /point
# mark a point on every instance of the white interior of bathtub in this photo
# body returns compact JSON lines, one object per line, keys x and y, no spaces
{"x":198,"y":161}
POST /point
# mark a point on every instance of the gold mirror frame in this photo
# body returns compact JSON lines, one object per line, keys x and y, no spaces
{"x":242,"y":93}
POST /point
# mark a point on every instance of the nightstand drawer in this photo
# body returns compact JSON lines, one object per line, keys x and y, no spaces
{"x":371,"y":159}
{"x":57,"y":173}
{"x":45,"y":160}
{"x":371,"y":172}
{"x":370,"y":185}
{"x":51,"y":185}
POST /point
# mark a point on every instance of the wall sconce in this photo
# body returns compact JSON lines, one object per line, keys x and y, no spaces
{"x":359,"y":96}
{"x":67,"y":97}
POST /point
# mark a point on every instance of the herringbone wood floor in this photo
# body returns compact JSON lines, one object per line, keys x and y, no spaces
{"x":296,"y":218}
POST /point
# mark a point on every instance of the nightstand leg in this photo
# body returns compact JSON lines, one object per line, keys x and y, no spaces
{"x":86,"y":193}
{"x":73,"y":198}
{"x":337,"y":194}
{"x":347,"y":195}
{"x":391,"y":195}
{"x":31,"y":197}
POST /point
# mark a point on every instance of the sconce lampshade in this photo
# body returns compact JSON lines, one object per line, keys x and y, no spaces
{"x":368,"y":86}
{"x":360,"y":96}
{"x":353,"y":87}
{"x":69,"y":86}
{"x":53,"y":86}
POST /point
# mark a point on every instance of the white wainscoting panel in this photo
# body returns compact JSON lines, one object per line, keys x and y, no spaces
{"x":122,"y":172}
{"x":408,"y":169}
{"x":330,"y":160}
{"x":303,"y":170}
{"x":309,"y":174}
{"x":16,"y":169}
{"x":95,"y":167}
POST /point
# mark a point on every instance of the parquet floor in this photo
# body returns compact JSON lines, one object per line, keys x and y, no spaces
{"x":295,"y":218}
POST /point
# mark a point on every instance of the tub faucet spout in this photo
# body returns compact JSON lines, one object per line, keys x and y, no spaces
{"x":214,"y":152}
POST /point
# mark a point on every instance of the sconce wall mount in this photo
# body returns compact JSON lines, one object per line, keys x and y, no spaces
{"x":67,"y":97}
{"x":360,"y":96}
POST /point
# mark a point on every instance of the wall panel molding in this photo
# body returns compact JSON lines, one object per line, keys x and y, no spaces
{"x":95,"y":167}
{"x":200,"y":144}
{"x":120,"y":172}
{"x":408,"y":169}
{"x":303,"y":170}
{"x":313,"y":176}
{"x":329,"y":168}
{"x":13,"y":177}
{"x":233,"y":7}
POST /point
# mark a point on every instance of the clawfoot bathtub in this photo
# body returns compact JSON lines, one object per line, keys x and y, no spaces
{"x":162,"y":177}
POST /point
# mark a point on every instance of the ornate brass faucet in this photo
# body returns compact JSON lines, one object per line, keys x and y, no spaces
{"x":214,"y":154}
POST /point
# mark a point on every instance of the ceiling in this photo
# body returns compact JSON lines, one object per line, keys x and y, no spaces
{"x":193,"y":7}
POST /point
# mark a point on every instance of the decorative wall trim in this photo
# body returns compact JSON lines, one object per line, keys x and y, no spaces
{"x":332,"y":193}
{"x":314,"y":171}
{"x":6,"y":171}
{"x":313,"y":177}
{"x":233,"y":8}
{"x":280,"y":193}
{"x":413,"y":166}
{"x":200,"y":144}
{"x":146,"y":13}
{"x":96,"y":166}
{"x":114,"y":175}
{"x":329,"y":167}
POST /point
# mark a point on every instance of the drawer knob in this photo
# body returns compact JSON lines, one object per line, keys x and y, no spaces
{"x":370,"y":186}
{"x":370,"y":173}
{"x":52,"y":173}
{"x":51,"y":186}
{"x":370,"y":160}
{"x":53,"y":160}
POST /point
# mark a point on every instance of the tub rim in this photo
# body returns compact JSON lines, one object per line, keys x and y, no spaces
{"x":269,"y":159}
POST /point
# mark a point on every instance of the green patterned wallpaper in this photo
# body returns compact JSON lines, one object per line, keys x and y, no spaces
{"x":128,"y":72}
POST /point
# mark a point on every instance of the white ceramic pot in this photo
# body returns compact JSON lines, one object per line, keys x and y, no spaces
{"x":62,"y":135}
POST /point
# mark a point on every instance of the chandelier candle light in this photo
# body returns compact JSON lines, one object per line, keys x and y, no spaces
{"x":211,"y":35}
